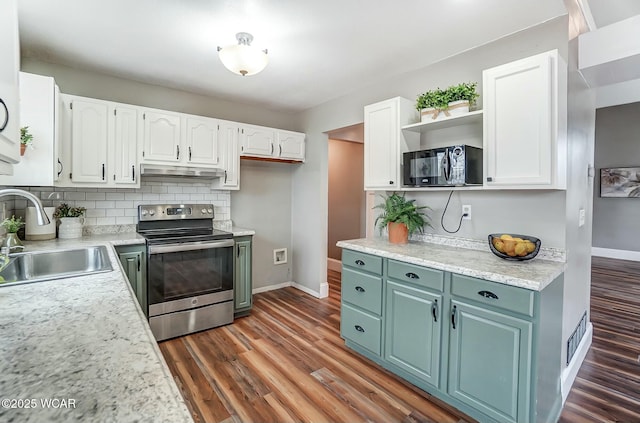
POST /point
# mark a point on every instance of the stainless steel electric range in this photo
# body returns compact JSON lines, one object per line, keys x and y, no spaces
{"x":189,"y":269}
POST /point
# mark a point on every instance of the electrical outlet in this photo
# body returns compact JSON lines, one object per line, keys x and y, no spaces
{"x":582,"y":216}
{"x":466,"y":209}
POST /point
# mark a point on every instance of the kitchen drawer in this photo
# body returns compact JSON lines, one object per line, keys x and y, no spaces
{"x":362,"y":261}
{"x":416,"y":275}
{"x":361,"y":327}
{"x":495,"y":294}
{"x":362,"y":290}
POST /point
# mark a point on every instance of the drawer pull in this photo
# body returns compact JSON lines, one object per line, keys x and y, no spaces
{"x":488,"y":294}
{"x":412,"y":275}
{"x":359,"y":289}
{"x":434,"y":310}
{"x":360,"y":262}
{"x":359,"y":328}
{"x":453,"y":317}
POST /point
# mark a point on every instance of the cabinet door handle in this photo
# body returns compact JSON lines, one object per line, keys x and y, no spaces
{"x":488,"y":294}
{"x":103,"y":171}
{"x":453,"y":317}
{"x":177,"y":152}
{"x":225,"y":176}
{"x":390,"y":182}
{"x":360,"y":289}
{"x":280,"y":150}
{"x":138,"y":264}
{"x":133,"y":172}
{"x":412,"y":275}
{"x":61,"y":167}
{"x":272,"y":148}
{"x":6,"y":115}
{"x":360,"y":262}
{"x":238,"y":253}
{"x":359,"y":328}
{"x":489,"y":179}
{"x":434,"y":310}
{"x":189,"y":153}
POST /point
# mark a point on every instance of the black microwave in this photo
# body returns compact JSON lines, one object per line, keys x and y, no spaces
{"x":457,"y":165}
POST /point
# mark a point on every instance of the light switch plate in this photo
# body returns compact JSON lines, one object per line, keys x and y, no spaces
{"x":582,"y":216}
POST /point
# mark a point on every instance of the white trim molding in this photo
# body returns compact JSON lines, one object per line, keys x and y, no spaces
{"x":333,"y":264}
{"x":616,"y":254}
{"x":570,"y":372}
{"x":324,"y":289}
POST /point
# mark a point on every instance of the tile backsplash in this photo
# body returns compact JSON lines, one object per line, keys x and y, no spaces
{"x":118,"y":206}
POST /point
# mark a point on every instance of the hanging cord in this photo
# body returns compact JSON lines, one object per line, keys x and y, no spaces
{"x":445,"y":211}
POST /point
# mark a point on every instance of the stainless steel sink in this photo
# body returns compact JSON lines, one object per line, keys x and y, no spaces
{"x":49,"y":265}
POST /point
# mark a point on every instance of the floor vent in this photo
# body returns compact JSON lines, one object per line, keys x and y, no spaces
{"x":576,"y":337}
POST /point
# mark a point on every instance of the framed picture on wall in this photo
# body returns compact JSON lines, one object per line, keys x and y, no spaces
{"x":621,"y":182}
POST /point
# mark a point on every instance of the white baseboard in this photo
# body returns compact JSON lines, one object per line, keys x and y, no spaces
{"x":324,"y":289}
{"x":333,"y":264}
{"x":616,"y":254}
{"x":271,"y":287}
{"x":570,"y":372}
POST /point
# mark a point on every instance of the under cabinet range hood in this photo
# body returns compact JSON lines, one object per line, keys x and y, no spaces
{"x":180,"y":171}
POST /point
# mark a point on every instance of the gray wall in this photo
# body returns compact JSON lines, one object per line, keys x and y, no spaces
{"x":264,"y":200}
{"x":615,"y":220}
{"x":544,"y":211}
{"x":346,"y":196}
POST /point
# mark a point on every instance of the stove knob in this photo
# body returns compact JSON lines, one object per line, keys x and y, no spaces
{"x":203,"y":211}
{"x":210,"y":211}
{"x":144,"y":212}
{"x":152,"y":212}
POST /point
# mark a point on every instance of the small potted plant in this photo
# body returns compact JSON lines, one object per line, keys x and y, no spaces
{"x":453,"y":101}
{"x":71,"y":221}
{"x":402,"y":217}
{"x":12,"y":226}
{"x":431,"y":103}
{"x":461,"y":97}
{"x":26,"y":139}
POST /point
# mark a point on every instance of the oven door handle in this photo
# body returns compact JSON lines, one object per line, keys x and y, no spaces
{"x":190,"y":246}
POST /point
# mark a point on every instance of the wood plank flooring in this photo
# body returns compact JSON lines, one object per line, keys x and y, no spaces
{"x":286,"y":362}
{"x":607,"y":388}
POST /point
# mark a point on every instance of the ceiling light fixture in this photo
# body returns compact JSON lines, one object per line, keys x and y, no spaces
{"x":242,"y":58}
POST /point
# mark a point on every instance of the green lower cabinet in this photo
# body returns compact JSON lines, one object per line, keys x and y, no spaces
{"x":134,"y":262}
{"x":490,"y":362}
{"x":413,"y":331}
{"x":242,"y":277}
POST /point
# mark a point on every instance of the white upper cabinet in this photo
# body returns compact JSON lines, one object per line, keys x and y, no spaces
{"x":39,"y":110}
{"x":257,"y":141}
{"x":124,"y":163}
{"x":89,"y":138}
{"x":9,"y":98}
{"x":525,"y":117}
{"x":291,"y":145}
{"x":229,"y":142}
{"x":161,"y":137}
{"x":202,"y":140}
{"x":384,"y":142}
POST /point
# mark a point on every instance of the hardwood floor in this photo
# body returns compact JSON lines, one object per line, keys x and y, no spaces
{"x":286,"y":362}
{"x":607,"y":388}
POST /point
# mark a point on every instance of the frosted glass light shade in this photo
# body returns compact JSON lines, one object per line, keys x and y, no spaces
{"x":243,"y":58}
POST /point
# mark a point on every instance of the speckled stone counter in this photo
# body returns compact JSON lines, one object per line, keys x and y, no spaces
{"x":535,"y":274}
{"x":86,"y":341}
{"x":242,"y":231}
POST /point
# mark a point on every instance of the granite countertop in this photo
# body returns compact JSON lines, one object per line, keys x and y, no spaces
{"x":83,"y":340}
{"x":237,"y":231}
{"x":535,"y":274}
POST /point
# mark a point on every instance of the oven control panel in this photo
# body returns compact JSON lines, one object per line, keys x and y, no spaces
{"x":148,"y":212}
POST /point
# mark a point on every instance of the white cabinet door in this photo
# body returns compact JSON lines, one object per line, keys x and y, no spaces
{"x":257,"y":141}
{"x":228,"y":137}
{"x":124,"y":161}
{"x":290,"y":145}
{"x":384,"y":142}
{"x":9,"y":96}
{"x":161,"y":137}
{"x":524,"y":144}
{"x":202,"y":140}
{"x":38,"y":111}
{"x":89,"y":138}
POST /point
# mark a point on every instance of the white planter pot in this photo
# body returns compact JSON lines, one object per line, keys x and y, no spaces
{"x":431,"y":114}
{"x":70,"y":227}
{"x":457,"y":108}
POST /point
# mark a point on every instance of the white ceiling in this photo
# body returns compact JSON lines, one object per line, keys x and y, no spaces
{"x":318,"y":50}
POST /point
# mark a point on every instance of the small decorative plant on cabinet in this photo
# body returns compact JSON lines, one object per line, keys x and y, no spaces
{"x":12,"y":226}
{"x":26,"y":139}
{"x":71,"y":221}
{"x":402,"y":217}
{"x":453,"y":101}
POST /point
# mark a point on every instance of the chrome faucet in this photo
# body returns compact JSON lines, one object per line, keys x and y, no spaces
{"x":41,"y":216}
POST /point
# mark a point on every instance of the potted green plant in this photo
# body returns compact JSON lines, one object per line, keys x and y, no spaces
{"x":26,"y":139}
{"x":401,"y":216}
{"x":431,"y":103}
{"x":452,"y":101}
{"x":71,"y":221}
{"x":12,"y":226}
{"x":461,"y":97}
